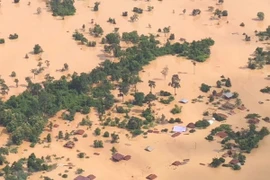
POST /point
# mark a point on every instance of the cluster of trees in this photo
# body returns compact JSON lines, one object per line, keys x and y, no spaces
{"x":26,"y":115}
{"x":13,"y":36}
{"x":2,"y":40}
{"x":202,"y":124}
{"x":245,"y":140}
{"x":265,"y":90}
{"x":111,"y":20}
{"x":98,"y":144}
{"x":37,"y":49}
{"x":80,"y":37}
{"x":138,"y":10}
{"x":224,"y":82}
{"x":220,"y":13}
{"x":176,"y":109}
{"x":260,"y":16}
{"x":23,"y":167}
{"x":205,"y":88}
{"x":216,"y":162}
{"x":62,"y":7}
{"x":260,"y":58}
{"x":96,"y":6}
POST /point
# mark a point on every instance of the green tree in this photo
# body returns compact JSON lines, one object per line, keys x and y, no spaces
{"x":139,"y":98}
{"x":151,"y":84}
{"x":97,"y":31}
{"x":97,"y":131}
{"x":260,"y":16}
{"x":228,"y":83}
{"x":16,"y":81}
{"x":49,"y":138}
{"x":115,"y":138}
{"x":106,"y":134}
{"x":175,"y":82}
{"x":63,"y":7}
{"x":96,"y":6}
{"x":60,"y":135}
{"x":37,"y":49}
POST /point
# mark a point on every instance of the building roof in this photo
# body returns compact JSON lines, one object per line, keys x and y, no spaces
{"x":91,"y":177}
{"x":149,"y":148}
{"x":184,"y":101}
{"x":117,"y":157}
{"x":151,"y":176}
{"x":176,"y":163}
{"x":179,"y":129}
{"x":127,"y":157}
{"x":79,"y":132}
{"x":253,"y":121}
{"x":176,"y":134}
{"x":228,"y":95}
{"x":222,"y":134}
{"x":80,"y":177}
{"x":69,"y":144}
{"x":234,"y":161}
{"x":191,"y":125}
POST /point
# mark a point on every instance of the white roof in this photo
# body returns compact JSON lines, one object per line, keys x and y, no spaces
{"x":183,"y":100}
{"x":149,"y":148}
{"x":179,"y":129}
{"x":210,"y":122}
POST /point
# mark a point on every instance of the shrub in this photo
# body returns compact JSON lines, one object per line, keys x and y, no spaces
{"x":224,"y":13}
{"x":260,"y":16}
{"x":62,"y":8}
{"x":13,"y":36}
{"x":106,"y":134}
{"x":164,"y":93}
{"x":205,"y":88}
{"x":209,"y":138}
{"x":137,"y":10}
{"x":176,"y":109}
{"x":37,"y":49}
{"x":202,"y":124}
{"x":2,"y":41}
{"x":125,"y":13}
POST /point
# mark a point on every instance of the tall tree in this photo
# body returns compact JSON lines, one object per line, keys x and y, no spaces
{"x":16,"y":81}
{"x":175,"y":82}
{"x":151,"y":84}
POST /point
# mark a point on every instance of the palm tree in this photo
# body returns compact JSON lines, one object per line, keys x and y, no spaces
{"x":175,"y":82}
{"x":16,"y":81}
{"x":34,"y":71}
{"x":151,"y":84}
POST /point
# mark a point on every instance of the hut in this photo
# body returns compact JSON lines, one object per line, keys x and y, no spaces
{"x":179,"y":129}
{"x":80,"y":177}
{"x":79,"y":132}
{"x":155,"y":131}
{"x":191,"y":125}
{"x":127,"y":157}
{"x":91,"y":177}
{"x":234,"y":161}
{"x":150,"y":131}
{"x":183,"y":101}
{"x":228,"y":95}
{"x":149,"y":148}
{"x":242,"y":107}
{"x":253,"y":121}
{"x":69,"y":145}
{"x":151,"y":177}
{"x":117,"y":157}
{"x":176,"y":134}
{"x":222,"y":115}
{"x":222,"y":134}
{"x":228,"y":105}
{"x":55,"y":125}
{"x":176,"y":163}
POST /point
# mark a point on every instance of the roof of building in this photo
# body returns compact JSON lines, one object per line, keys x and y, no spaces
{"x":222,"y":134}
{"x":191,"y":125}
{"x":228,"y":94}
{"x":179,"y":129}
{"x":183,"y":101}
{"x":149,"y":148}
{"x":117,"y":157}
{"x":151,"y":176}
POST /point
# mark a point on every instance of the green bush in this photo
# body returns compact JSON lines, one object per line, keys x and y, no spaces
{"x":62,"y":8}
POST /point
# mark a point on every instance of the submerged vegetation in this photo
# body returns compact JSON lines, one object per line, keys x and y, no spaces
{"x":62,"y":8}
{"x":25,"y":115}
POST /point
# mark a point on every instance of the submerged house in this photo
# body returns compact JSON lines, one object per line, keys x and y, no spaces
{"x":179,"y":129}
